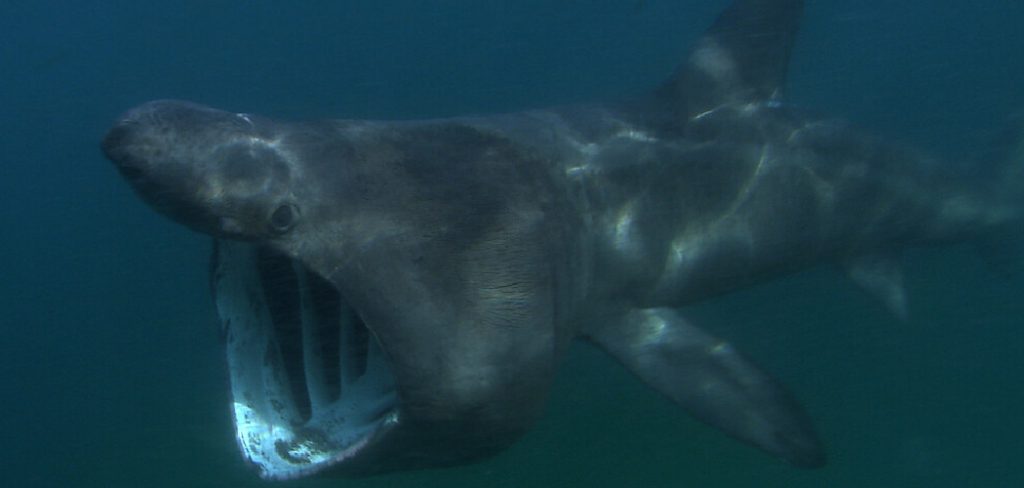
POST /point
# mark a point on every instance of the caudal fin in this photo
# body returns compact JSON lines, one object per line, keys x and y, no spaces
{"x":1003,"y":246}
{"x":1011,"y":158}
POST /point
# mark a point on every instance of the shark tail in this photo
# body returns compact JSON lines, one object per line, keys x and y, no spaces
{"x":995,"y":183}
{"x":1011,"y":160}
{"x":1003,"y":246}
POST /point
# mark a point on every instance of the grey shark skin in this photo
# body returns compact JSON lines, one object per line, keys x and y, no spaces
{"x":397,"y":295}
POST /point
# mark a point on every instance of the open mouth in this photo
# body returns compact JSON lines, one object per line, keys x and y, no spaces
{"x":310,"y":385}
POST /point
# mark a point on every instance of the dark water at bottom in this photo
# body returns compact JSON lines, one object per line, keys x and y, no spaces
{"x":927,"y":403}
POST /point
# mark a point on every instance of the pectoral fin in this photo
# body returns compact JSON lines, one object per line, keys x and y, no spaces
{"x":712,"y":381}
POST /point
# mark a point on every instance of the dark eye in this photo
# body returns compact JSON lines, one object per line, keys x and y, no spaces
{"x":283,"y":218}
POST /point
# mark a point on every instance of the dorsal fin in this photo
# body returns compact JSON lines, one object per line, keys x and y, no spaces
{"x":742,"y":58}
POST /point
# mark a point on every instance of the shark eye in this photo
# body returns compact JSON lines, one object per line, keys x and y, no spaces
{"x":283,"y":218}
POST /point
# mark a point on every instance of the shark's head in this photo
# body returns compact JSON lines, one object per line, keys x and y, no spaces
{"x":379,"y":312}
{"x":214,"y":171}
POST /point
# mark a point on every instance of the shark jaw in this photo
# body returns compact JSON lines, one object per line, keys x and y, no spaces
{"x":311,"y":387}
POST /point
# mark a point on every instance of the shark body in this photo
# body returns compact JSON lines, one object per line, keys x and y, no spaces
{"x":398,"y":295}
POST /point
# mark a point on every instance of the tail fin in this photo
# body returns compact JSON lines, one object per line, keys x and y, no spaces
{"x":1010,"y":157}
{"x":1003,"y":251}
{"x":1003,"y":247}
{"x":742,"y":58}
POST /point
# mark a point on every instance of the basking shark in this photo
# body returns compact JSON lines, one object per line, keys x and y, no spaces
{"x":398,"y":294}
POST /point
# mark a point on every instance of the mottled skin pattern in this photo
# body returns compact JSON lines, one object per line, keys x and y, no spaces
{"x":475,"y":249}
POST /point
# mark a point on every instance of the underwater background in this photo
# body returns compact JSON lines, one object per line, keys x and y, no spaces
{"x":111,"y":370}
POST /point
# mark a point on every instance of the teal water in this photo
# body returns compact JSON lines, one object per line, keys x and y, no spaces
{"x":110,"y":365}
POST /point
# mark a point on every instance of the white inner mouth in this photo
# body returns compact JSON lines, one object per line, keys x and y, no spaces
{"x":310,"y":386}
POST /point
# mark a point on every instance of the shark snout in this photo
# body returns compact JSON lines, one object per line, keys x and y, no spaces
{"x":149,"y":147}
{"x":116,"y":146}
{"x":134,"y":143}
{"x":157,"y":139}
